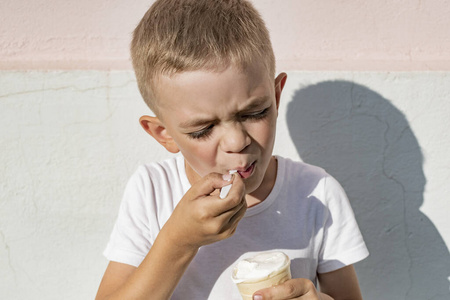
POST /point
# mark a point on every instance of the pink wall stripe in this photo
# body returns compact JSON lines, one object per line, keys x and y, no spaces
{"x":401,"y":35}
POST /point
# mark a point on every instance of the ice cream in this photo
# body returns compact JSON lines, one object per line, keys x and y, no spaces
{"x":263,"y":270}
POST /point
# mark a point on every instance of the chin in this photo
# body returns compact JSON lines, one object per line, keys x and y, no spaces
{"x":252,"y":186}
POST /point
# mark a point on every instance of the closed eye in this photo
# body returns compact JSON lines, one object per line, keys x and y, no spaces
{"x":202,"y":133}
{"x":256,"y":115}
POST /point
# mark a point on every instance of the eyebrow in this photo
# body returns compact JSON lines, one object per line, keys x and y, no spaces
{"x":256,"y":103}
{"x":195,"y":123}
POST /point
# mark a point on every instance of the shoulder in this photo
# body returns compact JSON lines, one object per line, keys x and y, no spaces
{"x":154,"y":189}
{"x":159,"y":168}
{"x":157,"y":180}
{"x":309,"y":180}
{"x":167,"y":170}
{"x":299,"y":174}
{"x":301,"y":168}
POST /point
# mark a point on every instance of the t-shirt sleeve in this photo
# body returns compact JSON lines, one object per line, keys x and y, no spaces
{"x":131,"y":237}
{"x":343,"y":243}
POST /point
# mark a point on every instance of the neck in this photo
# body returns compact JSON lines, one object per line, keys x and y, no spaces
{"x":191,"y":175}
{"x":266,"y":186}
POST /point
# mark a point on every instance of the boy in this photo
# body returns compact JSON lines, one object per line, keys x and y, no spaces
{"x":206,"y":69}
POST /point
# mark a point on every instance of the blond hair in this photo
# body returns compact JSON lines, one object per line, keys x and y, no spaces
{"x":187,"y":35}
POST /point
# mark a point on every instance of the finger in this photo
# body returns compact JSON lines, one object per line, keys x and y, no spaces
{"x":217,"y":206}
{"x":224,"y":219}
{"x":300,"y":288}
{"x":233,"y":219}
{"x":234,"y":198}
{"x":229,"y":215}
{"x":207,"y":185}
{"x":237,"y":187}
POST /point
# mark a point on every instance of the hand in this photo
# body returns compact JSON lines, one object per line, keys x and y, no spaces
{"x":299,"y":288}
{"x":202,"y":218}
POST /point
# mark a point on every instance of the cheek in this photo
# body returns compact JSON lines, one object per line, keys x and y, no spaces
{"x":201,"y":156}
{"x":264,"y":133}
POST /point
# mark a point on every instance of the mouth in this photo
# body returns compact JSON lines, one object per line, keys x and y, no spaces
{"x":246,"y":172}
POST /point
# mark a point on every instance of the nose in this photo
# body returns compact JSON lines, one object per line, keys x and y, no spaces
{"x":235,"y":138}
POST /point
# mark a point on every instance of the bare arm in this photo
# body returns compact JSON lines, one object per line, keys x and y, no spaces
{"x":200,"y":218}
{"x":341,"y":284}
{"x":157,"y":276}
{"x":115,"y":276}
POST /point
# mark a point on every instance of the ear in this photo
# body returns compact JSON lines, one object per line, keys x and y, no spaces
{"x":279,"y":85}
{"x":154,"y":127}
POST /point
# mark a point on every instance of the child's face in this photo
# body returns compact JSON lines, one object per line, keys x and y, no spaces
{"x":222,"y":121}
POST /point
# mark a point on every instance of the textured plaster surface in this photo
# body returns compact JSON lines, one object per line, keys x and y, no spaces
{"x":70,"y":140}
{"x":306,"y":34}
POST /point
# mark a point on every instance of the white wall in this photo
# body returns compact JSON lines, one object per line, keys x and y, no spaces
{"x":70,"y":140}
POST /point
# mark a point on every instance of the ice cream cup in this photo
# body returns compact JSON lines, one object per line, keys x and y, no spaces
{"x":261,"y":271}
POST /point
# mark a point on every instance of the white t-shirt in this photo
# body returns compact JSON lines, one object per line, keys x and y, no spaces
{"x":307,"y":215}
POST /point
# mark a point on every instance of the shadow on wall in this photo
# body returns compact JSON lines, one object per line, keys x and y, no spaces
{"x":366,"y":143}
